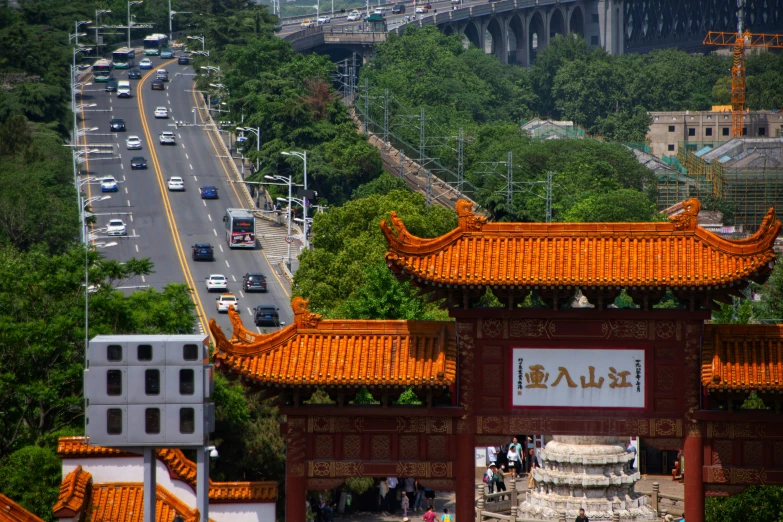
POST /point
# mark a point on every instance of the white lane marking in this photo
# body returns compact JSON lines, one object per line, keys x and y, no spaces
{"x":131,"y":218}
{"x":258,"y":329}
{"x":234,"y":278}
{"x":126,"y":190}
{"x":195,"y":178}
{"x":205,"y":203}
{"x":210,"y":217}
{"x":134,"y":231}
{"x":215,"y":231}
{"x":249,"y":311}
{"x":180,"y":137}
{"x":122,"y":166}
{"x":137,"y":248}
{"x":143,"y":279}
{"x":128,"y":202}
{"x":119,"y":154}
{"x":123,"y":178}
{"x":191,"y":166}
{"x":221,"y":247}
{"x":183,"y":145}
{"x":229,"y":266}
{"x":241,"y":294}
{"x":186,"y":155}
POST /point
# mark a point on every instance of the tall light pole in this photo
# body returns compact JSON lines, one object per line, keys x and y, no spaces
{"x":257,"y":132}
{"x":83,"y":204}
{"x":130,"y":4}
{"x":78,"y":24}
{"x":199,"y":38}
{"x":99,"y":12}
{"x":290,"y":186}
{"x":171,"y":17}
{"x":303,"y":157}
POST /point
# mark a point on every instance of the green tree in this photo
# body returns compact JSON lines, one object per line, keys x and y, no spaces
{"x":616,"y":206}
{"x":32,"y":476}
{"x":756,"y":503}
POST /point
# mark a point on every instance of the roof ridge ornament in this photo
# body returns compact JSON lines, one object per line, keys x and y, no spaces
{"x":467,"y":219}
{"x":688,"y":219}
{"x":304,"y":318}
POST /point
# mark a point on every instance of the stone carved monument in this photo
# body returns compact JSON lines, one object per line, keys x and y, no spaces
{"x":590,"y":473}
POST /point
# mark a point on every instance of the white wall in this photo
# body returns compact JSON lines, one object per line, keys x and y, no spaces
{"x":249,"y":512}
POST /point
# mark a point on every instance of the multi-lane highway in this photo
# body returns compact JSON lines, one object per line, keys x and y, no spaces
{"x":163,"y":225}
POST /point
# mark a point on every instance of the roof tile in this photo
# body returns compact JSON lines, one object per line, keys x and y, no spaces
{"x":743,"y":358}
{"x":74,"y":493}
{"x":10,"y":511}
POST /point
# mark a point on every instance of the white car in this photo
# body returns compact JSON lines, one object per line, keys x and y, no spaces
{"x":217,"y":282}
{"x":224,"y":301}
{"x":176,"y":183}
{"x":324,"y":20}
{"x":421,"y":10}
{"x":167,"y":138}
{"x":354,"y":16}
{"x":109,"y":184}
{"x":116,"y":227}
{"x":145,"y":63}
{"x":133,"y":143}
{"x":161,"y":112}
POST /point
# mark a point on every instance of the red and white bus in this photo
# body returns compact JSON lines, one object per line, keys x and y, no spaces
{"x":240,"y":228}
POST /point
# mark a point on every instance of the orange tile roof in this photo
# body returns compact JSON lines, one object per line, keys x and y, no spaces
{"x":124,"y":502}
{"x":74,"y":493}
{"x":326,"y":352}
{"x":10,"y":511}
{"x":677,"y":254}
{"x":179,"y":467}
{"x":742,"y":358}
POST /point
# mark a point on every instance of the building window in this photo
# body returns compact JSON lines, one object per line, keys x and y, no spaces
{"x":744,"y":131}
{"x":114,"y":352}
{"x":152,"y":421}
{"x":187,"y":420}
{"x":691,"y":132}
{"x":152,"y":382}
{"x":114,"y":383}
{"x":725,"y":131}
{"x":594,"y":18}
{"x":593,"y":40}
{"x":708,"y":131}
{"x":190,"y":352}
{"x":144,"y":352}
{"x":671,"y":128}
{"x":187,"y":382}
{"x":114,"y":421}
{"x":762,"y":131}
{"x":670,"y":148}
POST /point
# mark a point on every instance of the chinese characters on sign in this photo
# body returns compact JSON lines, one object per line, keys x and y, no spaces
{"x":583,"y":378}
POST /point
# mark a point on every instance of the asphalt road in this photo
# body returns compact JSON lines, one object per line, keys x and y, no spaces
{"x":163,"y":225}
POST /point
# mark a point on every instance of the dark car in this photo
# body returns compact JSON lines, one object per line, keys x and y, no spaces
{"x":183,"y":60}
{"x":203,"y":252}
{"x":209,"y":192}
{"x":254,"y":282}
{"x":266,"y":316}
{"x":157,"y":85}
{"x":398,"y":9}
{"x":427,"y":6}
{"x":138,"y":162}
{"x":111,"y":86}
{"x":117,"y":124}
{"x":134,"y":74}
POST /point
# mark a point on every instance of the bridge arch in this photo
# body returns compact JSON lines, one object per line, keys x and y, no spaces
{"x":556,"y":23}
{"x":474,"y":34}
{"x":448,"y":30}
{"x":497,"y":46}
{"x":517,"y":48}
{"x":536,"y":35}
{"x":576,"y":21}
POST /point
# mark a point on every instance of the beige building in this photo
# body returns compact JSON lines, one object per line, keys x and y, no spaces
{"x":668,"y":129}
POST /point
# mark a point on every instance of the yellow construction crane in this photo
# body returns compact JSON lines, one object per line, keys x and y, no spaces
{"x":741,"y":41}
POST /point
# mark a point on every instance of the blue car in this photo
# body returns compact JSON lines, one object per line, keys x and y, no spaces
{"x":109,"y":184}
{"x":209,"y":192}
{"x":145,"y":63}
{"x":167,"y":53}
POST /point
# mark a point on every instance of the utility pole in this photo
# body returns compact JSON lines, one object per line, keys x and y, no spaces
{"x":510,"y":182}
{"x":460,"y":164}
{"x":402,"y":164}
{"x":548,"y":196}
{"x":366,"y":105}
{"x":353,"y":77}
{"x":428,"y":193}
{"x":386,"y":116}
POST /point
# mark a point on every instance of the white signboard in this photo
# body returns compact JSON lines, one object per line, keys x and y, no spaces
{"x":583,"y":378}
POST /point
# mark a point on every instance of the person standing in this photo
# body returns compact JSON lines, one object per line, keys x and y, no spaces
{"x":405,"y":504}
{"x":418,"y":498}
{"x":520,"y":451}
{"x":532,"y":460}
{"x":429,"y":496}
{"x":446,"y":517}
{"x":391,"y":496}
{"x":429,"y":515}
{"x":514,"y":464}
{"x":500,"y":481}
{"x":582,"y":517}
{"x":632,"y":449}
{"x":489,"y":480}
{"x":383,"y":491}
{"x":492,"y":455}
{"x":410,"y":490}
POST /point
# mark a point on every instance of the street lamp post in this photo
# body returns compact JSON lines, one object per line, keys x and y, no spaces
{"x":78,"y":24}
{"x":130,"y":4}
{"x":257,"y":132}
{"x":171,"y":18}
{"x":290,"y":186}
{"x":84,"y":203}
{"x":303,"y":157}
{"x":199,"y":38}
{"x":99,"y":12}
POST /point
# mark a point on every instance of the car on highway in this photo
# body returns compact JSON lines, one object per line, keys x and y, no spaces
{"x":138,"y":162}
{"x":117,"y":124}
{"x":124,"y":89}
{"x":421,"y":9}
{"x":157,"y":85}
{"x":324,"y":20}
{"x":134,"y":74}
{"x":224,"y":301}
{"x":203,"y":252}
{"x":111,"y":86}
{"x":167,"y":53}
{"x":308,"y":23}
{"x":162,"y":75}
{"x":183,"y":60}
{"x":427,"y":6}
{"x":354,"y":16}
{"x":161,"y":112}
{"x":116,"y":227}
{"x":167,"y":138}
{"x":109,"y":184}
{"x":266,"y":316}
{"x":217,"y":282}
{"x":176,"y":183}
{"x":209,"y":192}
{"x":145,"y":63}
{"x":133,"y":143}
{"x":380,"y":11}
{"x":398,"y":9}
{"x":254,"y":282}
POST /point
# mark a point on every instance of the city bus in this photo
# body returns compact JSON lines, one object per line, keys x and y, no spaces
{"x":154,"y":43}
{"x":124,"y":58}
{"x":102,"y":69}
{"x":240,"y":228}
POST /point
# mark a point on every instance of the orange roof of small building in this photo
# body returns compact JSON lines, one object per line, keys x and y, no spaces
{"x":124,"y":502}
{"x":674,"y":254}
{"x":74,"y":493}
{"x":179,"y":467}
{"x":10,"y":511}
{"x":326,"y":352}
{"x":742,"y":358}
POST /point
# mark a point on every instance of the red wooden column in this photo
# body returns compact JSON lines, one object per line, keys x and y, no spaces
{"x":694,"y":476}
{"x":465,"y":477}
{"x":465,"y":472}
{"x":295,"y":480}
